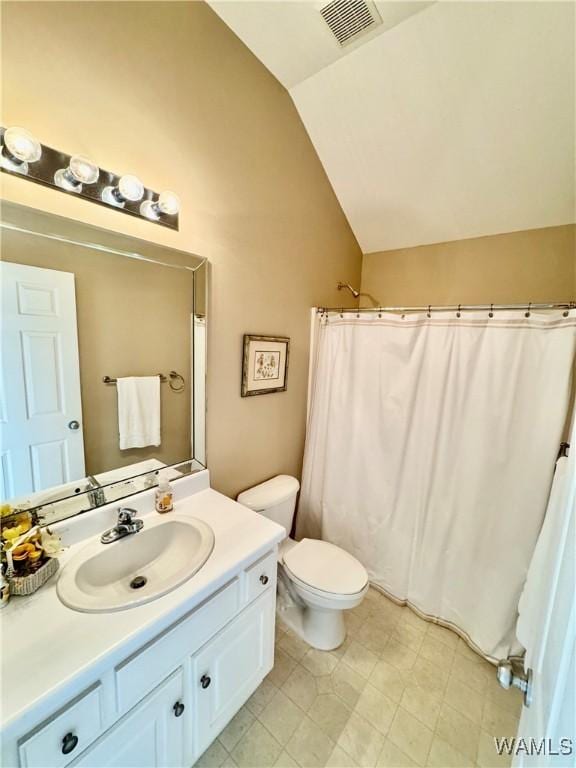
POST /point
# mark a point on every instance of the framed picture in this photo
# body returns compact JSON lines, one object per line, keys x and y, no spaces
{"x":264,"y":365}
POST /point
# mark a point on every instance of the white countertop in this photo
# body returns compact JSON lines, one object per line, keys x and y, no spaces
{"x":51,"y":652}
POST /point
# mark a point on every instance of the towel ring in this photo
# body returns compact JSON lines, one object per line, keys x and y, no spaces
{"x":176,"y":377}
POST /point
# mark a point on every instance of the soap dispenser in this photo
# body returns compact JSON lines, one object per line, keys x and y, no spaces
{"x":164,"y":495}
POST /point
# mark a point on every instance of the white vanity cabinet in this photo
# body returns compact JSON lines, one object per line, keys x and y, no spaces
{"x":152,"y":735}
{"x":165,"y":703}
{"x":229,"y":669}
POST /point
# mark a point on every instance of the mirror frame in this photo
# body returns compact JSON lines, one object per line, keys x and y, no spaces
{"x":37,"y":223}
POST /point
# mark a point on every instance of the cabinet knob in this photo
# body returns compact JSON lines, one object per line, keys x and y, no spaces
{"x":178,"y":708}
{"x":69,"y":743}
{"x":264,"y":579}
{"x":205,"y":681}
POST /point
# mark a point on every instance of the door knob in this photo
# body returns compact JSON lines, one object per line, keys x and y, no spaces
{"x":205,"y":681}
{"x":508,"y":679}
{"x":73,"y":424}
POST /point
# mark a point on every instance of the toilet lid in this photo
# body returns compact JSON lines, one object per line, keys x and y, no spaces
{"x":326,"y":567}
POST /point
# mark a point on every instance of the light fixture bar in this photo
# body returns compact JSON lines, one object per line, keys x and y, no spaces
{"x":78,"y":176}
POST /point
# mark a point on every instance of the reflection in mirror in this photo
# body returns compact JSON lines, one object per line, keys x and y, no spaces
{"x":103,"y":363}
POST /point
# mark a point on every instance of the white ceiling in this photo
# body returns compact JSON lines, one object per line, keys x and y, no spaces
{"x":290,"y":36}
{"x":451,"y":120}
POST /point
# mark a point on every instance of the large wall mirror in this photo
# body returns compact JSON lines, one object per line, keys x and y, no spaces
{"x":83,"y":308}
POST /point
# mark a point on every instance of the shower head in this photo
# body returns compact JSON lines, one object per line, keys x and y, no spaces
{"x":354,"y":293}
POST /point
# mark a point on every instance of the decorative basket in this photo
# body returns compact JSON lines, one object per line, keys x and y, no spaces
{"x":26,"y":585}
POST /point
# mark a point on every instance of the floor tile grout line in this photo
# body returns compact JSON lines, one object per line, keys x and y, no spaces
{"x":451,"y":666}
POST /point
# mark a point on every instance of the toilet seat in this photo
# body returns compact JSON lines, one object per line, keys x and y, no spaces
{"x":325,"y":569}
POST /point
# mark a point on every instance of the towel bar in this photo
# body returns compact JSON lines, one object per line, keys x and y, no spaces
{"x":173,"y":378}
{"x":108,"y":380}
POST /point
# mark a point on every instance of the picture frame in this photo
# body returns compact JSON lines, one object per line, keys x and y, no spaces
{"x":264,"y":364}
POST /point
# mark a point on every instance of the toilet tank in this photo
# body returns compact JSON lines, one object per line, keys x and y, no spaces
{"x":275,"y":499}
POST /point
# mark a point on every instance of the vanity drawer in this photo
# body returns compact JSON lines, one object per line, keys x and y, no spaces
{"x":136,"y":676}
{"x":59,"y":741}
{"x":260,"y":577}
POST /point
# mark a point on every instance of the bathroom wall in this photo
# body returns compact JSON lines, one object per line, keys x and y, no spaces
{"x":133,"y":319}
{"x":536,"y":265}
{"x":165,"y":90}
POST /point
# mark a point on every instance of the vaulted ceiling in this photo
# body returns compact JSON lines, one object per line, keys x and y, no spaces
{"x":449,"y":120}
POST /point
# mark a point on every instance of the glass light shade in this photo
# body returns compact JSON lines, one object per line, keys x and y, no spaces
{"x":83,"y":170}
{"x":22,"y":145}
{"x":131,"y":188}
{"x":169,"y":203}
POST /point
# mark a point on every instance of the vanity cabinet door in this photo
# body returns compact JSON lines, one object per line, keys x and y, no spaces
{"x":150,"y":736}
{"x":230,"y":668}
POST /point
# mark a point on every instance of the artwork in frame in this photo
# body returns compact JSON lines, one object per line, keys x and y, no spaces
{"x":264,"y":364}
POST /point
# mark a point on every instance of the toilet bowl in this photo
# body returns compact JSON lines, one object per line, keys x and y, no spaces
{"x":317,"y":580}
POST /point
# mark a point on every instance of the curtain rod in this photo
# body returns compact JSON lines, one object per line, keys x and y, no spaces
{"x":565,"y":305}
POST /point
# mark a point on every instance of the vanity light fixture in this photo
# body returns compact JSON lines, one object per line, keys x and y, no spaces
{"x":129,"y":189}
{"x":80,"y":171}
{"x":22,"y":155}
{"x":167,"y":204}
{"x":19,"y":147}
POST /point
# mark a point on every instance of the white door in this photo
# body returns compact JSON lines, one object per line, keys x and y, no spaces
{"x":230,"y":669}
{"x":547,"y":629}
{"x":150,"y":736}
{"x":40,"y":407}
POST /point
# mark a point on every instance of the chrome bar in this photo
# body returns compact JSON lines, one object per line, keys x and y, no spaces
{"x":565,"y":305}
{"x":108,"y":380}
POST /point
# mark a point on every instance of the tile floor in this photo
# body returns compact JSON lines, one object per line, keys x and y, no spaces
{"x":399,"y":692}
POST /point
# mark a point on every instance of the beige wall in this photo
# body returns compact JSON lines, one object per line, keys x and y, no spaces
{"x":537,"y":265}
{"x":165,"y":90}
{"x":133,"y":319}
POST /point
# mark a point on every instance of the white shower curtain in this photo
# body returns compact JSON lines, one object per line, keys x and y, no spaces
{"x":430,"y":451}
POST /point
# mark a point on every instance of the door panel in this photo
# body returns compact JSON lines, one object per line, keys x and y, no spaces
{"x":231,"y":667}
{"x":6,"y":476}
{"x":41,"y":380}
{"x":150,"y":736}
{"x":42,"y":364}
{"x":50,"y":464}
{"x":35,"y":299}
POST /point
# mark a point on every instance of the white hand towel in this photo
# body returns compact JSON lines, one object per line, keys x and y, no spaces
{"x":138,"y":411}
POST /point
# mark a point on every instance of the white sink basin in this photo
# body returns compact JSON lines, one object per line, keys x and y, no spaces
{"x":138,"y":568}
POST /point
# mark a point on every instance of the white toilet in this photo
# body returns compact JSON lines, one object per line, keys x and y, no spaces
{"x":317,"y":581}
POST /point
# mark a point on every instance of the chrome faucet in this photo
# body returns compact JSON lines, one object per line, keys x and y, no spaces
{"x":126,"y":525}
{"x":96,"y":494}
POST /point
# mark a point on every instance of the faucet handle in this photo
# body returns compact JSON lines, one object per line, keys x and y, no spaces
{"x":126,"y":515}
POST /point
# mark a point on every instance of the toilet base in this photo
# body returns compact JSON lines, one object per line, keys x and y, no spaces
{"x":321,"y":628}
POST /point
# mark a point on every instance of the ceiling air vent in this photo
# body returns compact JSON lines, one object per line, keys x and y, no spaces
{"x":348,"y":19}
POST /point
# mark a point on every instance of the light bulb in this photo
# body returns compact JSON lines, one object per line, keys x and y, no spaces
{"x":80,"y":171}
{"x":20,"y":147}
{"x":83,"y":170}
{"x":129,"y":188}
{"x":168,"y":204}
